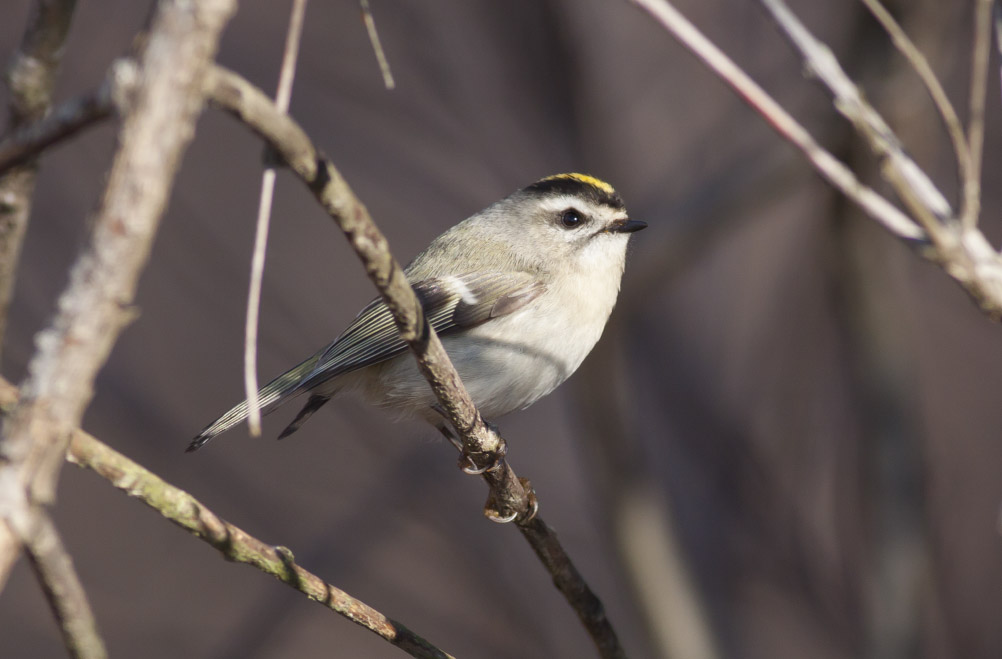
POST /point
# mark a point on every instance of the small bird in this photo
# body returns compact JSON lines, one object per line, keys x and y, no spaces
{"x":519,"y":294}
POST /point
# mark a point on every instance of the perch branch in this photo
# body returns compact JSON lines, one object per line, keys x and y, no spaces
{"x":510,"y":497}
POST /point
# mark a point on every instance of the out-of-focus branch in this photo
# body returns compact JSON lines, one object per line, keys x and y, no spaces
{"x":962,"y":251}
{"x":959,"y":248}
{"x":69,"y":118}
{"x":31,"y":77}
{"x":976,"y":121}
{"x":849,"y":102}
{"x":834,"y":171}
{"x":232,"y":542}
{"x":95,"y":305}
{"x":63,"y":590}
{"x":919,"y":63}
{"x":377,"y":45}
{"x":510,"y":497}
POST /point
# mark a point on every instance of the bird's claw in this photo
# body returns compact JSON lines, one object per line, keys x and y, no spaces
{"x":470,"y":466}
{"x":492,"y":507}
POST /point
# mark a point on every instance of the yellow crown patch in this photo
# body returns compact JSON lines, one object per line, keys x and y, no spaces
{"x":586,"y":179}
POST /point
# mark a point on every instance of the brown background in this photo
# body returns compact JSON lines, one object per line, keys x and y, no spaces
{"x":817,"y":406}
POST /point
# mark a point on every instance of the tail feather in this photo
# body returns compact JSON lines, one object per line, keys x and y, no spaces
{"x":270,"y":396}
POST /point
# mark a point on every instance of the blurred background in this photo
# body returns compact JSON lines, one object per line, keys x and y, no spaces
{"x":787,"y":444}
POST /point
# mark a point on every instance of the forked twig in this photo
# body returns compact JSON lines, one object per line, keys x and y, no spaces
{"x":963,"y":252}
{"x":830,"y":167}
{"x":918,"y":61}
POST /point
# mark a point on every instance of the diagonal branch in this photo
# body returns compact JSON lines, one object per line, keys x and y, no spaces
{"x":64,"y":122}
{"x":510,"y":497}
{"x":70,"y":117}
{"x":827,"y":165}
{"x":63,"y":590}
{"x":911,"y":183}
{"x":960,"y":250}
{"x":232,"y":542}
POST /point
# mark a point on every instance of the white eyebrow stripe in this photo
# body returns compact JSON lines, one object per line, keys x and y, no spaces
{"x":465,"y":294}
{"x":562,"y":202}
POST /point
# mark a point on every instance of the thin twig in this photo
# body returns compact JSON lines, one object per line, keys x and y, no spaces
{"x":834,"y":171}
{"x":946,"y":110}
{"x":965,"y":255}
{"x":849,"y":102}
{"x":63,"y":590}
{"x":94,"y":307}
{"x":377,"y":45}
{"x":510,"y":497}
{"x":976,"y":120}
{"x":65,"y":121}
{"x":282,"y":98}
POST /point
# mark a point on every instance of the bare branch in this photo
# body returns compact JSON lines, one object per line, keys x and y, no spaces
{"x":849,"y":102}
{"x":63,"y":590}
{"x":71,"y":117}
{"x":834,"y":171}
{"x":510,"y":497}
{"x":963,"y":252}
{"x":282,"y":98}
{"x":233,"y":543}
{"x":572,"y":585}
{"x":235,"y":95}
{"x":968,"y":183}
{"x":377,"y":45}
{"x":976,"y":120}
{"x":95,"y":305}
{"x":31,"y":77}
{"x":64,"y":122}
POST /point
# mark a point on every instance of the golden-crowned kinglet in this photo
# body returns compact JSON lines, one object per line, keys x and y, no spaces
{"x":519,"y":293}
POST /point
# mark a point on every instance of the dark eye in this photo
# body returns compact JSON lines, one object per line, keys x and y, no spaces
{"x":571,"y":218}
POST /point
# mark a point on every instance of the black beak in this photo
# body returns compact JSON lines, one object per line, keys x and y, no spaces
{"x":627,"y":226}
